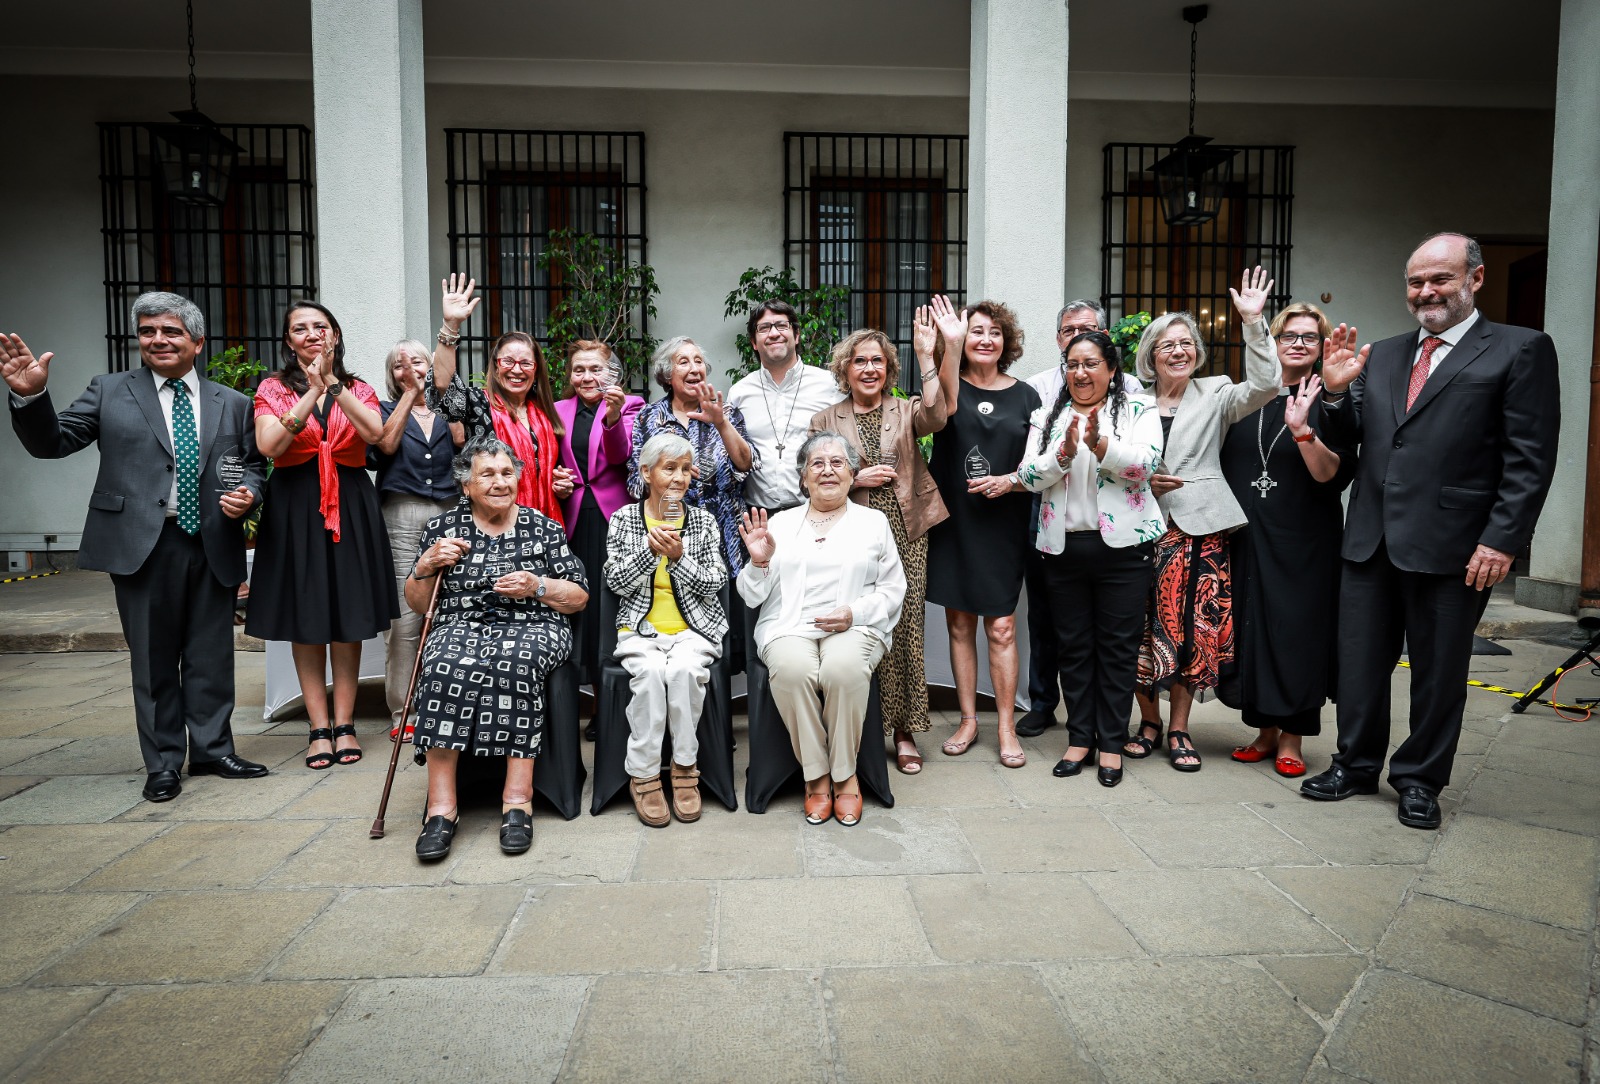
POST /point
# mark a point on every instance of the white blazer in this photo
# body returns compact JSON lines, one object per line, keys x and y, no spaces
{"x":871,"y":580}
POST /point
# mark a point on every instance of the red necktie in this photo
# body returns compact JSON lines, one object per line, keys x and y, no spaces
{"x":1419,"y":371}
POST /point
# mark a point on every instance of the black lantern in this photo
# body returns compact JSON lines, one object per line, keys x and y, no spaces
{"x":1194,"y":178}
{"x":196,"y":158}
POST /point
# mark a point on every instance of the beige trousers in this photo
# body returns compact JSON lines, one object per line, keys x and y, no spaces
{"x":821,"y":688}
{"x":668,"y":676}
{"x":405,"y":517}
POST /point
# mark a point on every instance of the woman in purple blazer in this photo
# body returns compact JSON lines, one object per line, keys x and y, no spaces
{"x":598,"y":422}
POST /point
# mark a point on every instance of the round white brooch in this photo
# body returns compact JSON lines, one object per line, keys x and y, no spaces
{"x":985,"y":407}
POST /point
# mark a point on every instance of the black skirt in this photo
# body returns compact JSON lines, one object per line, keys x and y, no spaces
{"x":308,"y":589}
{"x":589,"y":546}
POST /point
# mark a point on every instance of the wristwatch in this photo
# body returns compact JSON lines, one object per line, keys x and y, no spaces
{"x":335,"y":389}
{"x":539,"y":591}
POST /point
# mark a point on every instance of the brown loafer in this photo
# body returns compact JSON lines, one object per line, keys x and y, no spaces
{"x":649,"y":802}
{"x":819,"y":807}
{"x":847,"y":809}
{"x":686,"y":792}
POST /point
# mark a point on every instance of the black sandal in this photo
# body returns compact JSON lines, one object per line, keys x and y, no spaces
{"x":319,"y":761}
{"x":1147,"y":744}
{"x":346,"y":756}
{"x":1184,"y":749}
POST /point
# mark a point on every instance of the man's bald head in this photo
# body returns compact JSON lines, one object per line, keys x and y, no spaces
{"x":1443,"y":277}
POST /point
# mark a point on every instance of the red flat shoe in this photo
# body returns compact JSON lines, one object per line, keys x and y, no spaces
{"x":1289,"y":767}
{"x":1250,"y":754}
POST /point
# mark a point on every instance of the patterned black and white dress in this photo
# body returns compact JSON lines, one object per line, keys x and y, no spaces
{"x":484,"y":665}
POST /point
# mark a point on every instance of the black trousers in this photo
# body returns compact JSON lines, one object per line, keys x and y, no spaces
{"x":1098,"y":595}
{"x":178,"y":621}
{"x":1045,"y":676}
{"x":1382,"y":608}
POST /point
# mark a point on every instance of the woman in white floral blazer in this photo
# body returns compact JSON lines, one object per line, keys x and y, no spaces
{"x":1092,"y":453}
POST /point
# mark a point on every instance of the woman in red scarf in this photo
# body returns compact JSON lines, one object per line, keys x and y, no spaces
{"x":516,"y":404}
{"x":322,"y":577}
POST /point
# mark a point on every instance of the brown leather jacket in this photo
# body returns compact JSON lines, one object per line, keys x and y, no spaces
{"x":904,"y":420}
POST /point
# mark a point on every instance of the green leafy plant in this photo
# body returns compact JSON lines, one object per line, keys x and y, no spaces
{"x":602,"y":296}
{"x":234,"y":368}
{"x":819,"y":312}
{"x":1126,"y":333}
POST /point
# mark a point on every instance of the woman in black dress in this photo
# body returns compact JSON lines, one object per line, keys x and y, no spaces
{"x":322,"y":578}
{"x":975,"y":558}
{"x":1286,"y":560}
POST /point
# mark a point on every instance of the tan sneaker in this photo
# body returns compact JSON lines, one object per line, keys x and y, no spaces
{"x":648,"y":800}
{"x":686,"y":792}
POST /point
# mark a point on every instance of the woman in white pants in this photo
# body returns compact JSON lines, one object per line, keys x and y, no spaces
{"x":828,"y":579}
{"x":664,"y":561}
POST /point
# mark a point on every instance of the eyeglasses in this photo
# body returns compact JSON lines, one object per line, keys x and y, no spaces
{"x":869,"y":363}
{"x":1081,"y":366}
{"x":1291,"y":338}
{"x":772,"y":325}
{"x":838,"y":463}
{"x":517,"y":363}
{"x":1167,"y":349}
{"x":1070,"y":330}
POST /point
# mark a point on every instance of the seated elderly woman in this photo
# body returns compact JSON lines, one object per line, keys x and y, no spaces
{"x":499,"y":628}
{"x":664,"y":561}
{"x":828,"y":579}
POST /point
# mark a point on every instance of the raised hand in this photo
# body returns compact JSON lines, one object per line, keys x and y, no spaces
{"x":710,"y":408}
{"x":457,"y":301}
{"x":924,"y":334}
{"x":1341,"y":361}
{"x":1298,"y":405}
{"x":757,"y":539}
{"x":1250,"y":299}
{"x":952,"y":325}
{"x":24,"y":374}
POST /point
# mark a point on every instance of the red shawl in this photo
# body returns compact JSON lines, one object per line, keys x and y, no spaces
{"x":535,"y":489}
{"x":343,"y":448}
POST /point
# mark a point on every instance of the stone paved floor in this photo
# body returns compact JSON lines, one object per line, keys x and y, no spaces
{"x":995,"y":925}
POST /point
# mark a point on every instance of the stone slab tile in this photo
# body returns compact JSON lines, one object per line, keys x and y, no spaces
{"x":598,"y":929}
{"x":102,"y":723}
{"x":1349,"y":833}
{"x":16,"y":784}
{"x":1548,"y":764}
{"x":1010,"y":840}
{"x":205,"y":854}
{"x":888,"y":841}
{"x":1320,"y":983}
{"x":35,"y":1018}
{"x":1035,"y":787}
{"x":1356,"y":902}
{"x":1535,"y":873}
{"x":75,"y":799}
{"x":721,"y":845}
{"x":241,"y":1034}
{"x":117,"y":698}
{"x":50,"y":857}
{"x":445,"y":930}
{"x":588,"y":850}
{"x":190,"y":937}
{"x":1541,"y":968}
{"x":507,"y":1028}
{"x":23,"y":724}
{"x":951,"y":1023}
{"x":61,"y":694}
{"x":1512,"y":796}
{"x":724,"y":1026}
{"x":85,"y":661}
{"x":1209,"y":913}
{"x":209,"y":798}
{"x":342,"y":855}
{"x":282,"y":751}
{"x":1175,"y":838}
{"x":347,"y":794}
{"x":38,"y":927}
{"x":980,"y":783}
{"x":1219,"y":782}
{"x":1400,"y":1029}
{"x":1009,"y":918}
{"x":20,"y":750}
{"x":824,"y":922}
{"x":1185,"y":1020}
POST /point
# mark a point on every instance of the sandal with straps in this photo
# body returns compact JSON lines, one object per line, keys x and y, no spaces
{"x":346,"y":756}
{"x":1144,"y":743}
{"x":953,"y":748}
{"x":320,"y":761}
{"x":1183,"y":750}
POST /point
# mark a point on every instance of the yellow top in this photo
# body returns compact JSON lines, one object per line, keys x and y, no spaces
{"x":664,"y":615}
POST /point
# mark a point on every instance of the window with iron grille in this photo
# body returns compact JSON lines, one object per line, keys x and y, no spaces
{"x":509,"y":190}
{"x":883,"y":216}
{"x":241,"y":263}
{"x":1147,"y":265}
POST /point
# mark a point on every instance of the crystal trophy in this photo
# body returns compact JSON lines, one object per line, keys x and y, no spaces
{"x":671,"y":508}
{"x":977,"y":465}
{"x":889,"y":457}
{"x":612,"y":377}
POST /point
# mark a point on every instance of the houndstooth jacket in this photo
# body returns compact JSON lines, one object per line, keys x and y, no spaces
{"x":696,"y":577}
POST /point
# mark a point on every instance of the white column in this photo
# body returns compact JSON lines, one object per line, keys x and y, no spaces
{"x":1569,"y":302}
{"x":1017,"y":126}
{"x":372,"y":199}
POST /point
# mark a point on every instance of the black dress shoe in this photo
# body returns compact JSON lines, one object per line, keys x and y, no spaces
{"x":437,"y":834}
{"x":516,"y":831}
{"x":1035,"y":723}
{"x":228,"y":767}
{"x":1109,"y":777}
{"x":592,"y":731}
{"x":1335,"y":785}
{"x":1418,"y":808}
{"x":1066,"y":769}
{"x":162,"y":786}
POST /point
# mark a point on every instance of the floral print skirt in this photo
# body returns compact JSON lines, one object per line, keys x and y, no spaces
{"x":1189,"y":625}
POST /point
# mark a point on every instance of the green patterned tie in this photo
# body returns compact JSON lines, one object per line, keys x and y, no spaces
{"x":186,"y":445}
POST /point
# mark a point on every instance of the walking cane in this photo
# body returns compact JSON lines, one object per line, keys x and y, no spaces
{"x":411,"y":689}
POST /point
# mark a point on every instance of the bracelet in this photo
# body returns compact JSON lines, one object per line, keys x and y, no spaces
{"x":448,"y":337}
{"x":1307,"y":439}
{"x":429,"y":576}
{"x":1331,"y":397}
{"x":290,"y":422}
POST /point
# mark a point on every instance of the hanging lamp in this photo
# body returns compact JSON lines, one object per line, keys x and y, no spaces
{"x":197,"y":160}
{"x":1194,"y":178}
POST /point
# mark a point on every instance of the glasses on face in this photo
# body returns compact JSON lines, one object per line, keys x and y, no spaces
{"x":1069,"y":330}
{"x":772,"y":325}
{"x":1166,"y":350}
{"x":1081,"y":366}
{"x":837,"y":463}
{"x":527,"y":364}
{"x":1295,"y":338}
{"x":869,"y":363}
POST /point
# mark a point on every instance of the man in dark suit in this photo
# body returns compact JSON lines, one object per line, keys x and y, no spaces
{"x":178,"y":471}
{"x":1457,"y":425}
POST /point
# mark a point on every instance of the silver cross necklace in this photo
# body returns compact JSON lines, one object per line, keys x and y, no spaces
{"x":1265,"y":482}
{"x":784,"y":432}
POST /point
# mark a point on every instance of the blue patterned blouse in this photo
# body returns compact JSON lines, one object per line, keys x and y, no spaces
{"x":720,"y":487}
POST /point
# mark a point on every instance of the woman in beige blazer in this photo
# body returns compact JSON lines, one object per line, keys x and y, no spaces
{"x":1189,"y":629}
{"x":894,"y":480}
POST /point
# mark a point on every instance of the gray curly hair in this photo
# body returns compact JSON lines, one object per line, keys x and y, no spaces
{"x":461,"y":465}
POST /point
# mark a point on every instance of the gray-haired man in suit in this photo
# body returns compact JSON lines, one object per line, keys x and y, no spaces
{"x":178,"y":471}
